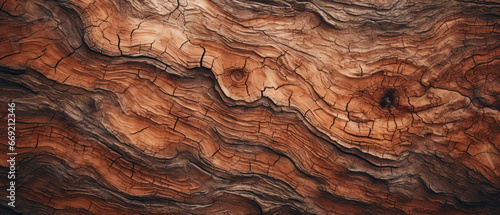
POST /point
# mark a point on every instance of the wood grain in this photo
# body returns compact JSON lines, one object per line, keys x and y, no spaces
{"x":252,"y":107}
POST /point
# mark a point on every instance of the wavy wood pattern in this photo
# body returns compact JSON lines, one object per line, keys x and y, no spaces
{"x":253,"y":107}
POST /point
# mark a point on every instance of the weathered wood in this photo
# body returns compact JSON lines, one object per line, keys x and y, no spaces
{"x":248,"y":107}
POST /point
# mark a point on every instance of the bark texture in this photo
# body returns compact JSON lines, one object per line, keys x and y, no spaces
{"x":252,"y":107}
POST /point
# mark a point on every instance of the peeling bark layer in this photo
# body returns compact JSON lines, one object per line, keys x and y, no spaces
{"x":252,"y":107}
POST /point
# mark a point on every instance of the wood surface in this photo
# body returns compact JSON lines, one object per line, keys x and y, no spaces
{"x":252,"y":107}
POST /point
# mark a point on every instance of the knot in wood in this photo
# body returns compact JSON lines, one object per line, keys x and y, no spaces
{"x":239,"y":75}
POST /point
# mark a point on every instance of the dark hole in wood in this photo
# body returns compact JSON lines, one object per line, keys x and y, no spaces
{"x":388,"y":99}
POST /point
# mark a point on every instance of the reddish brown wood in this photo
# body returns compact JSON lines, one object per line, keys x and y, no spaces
{"x":250,"y":107}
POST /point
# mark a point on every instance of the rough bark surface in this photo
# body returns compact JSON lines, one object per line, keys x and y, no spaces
{"x":252,"y":107}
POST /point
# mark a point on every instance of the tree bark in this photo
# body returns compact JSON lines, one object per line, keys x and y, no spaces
{"x":252,"y":107}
